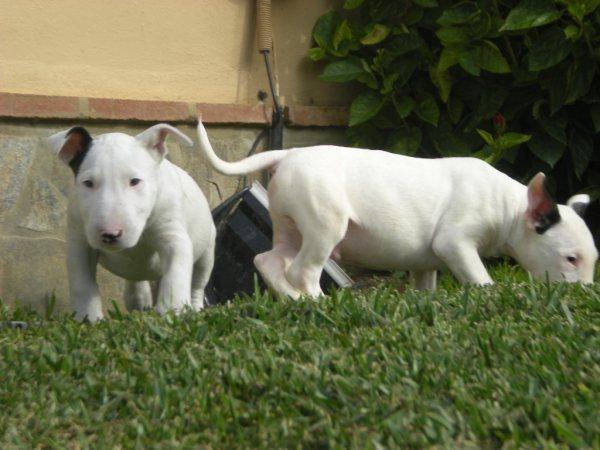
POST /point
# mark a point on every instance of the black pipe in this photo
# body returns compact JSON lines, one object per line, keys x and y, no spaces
{"x":276,"y":131}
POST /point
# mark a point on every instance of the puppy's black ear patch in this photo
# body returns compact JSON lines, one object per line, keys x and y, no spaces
{"x":542,"y":211}
{"x":547,"y":220}
{"x":75,"y":148}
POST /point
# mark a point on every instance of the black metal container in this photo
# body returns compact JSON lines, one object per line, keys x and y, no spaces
{"x":244,"y":230}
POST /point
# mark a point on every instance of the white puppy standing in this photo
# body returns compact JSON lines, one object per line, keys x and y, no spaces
{"x":378,"y":210}
{"x":139,"y":216}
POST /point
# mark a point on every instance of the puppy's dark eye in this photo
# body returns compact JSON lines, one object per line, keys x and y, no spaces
{"x":88,"y":183}
{"x":134,"y":181}
{"x":572,"y":259}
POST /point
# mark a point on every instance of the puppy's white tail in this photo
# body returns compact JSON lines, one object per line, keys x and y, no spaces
{"x":253,"y":163}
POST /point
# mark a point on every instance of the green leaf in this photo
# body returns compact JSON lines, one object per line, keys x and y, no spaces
{"x":342,"y":33}
{"x":487,"y":100}
{"x":466,"y":59}
{"x":555,"y":127}
{"x":353,"y":4}
{"x":509,"y":140}
{"x":388,"y":82}
{"x":365,"y":106}
{"x":413,"y":16}
{"x":488,"y":57}
{"x":381,"y":10}
{"x":365,"y":135}
{"x":448,"y":58}
{"x":382,"y":60}
{"x":369,"y":80}
{"x":510,"y":154}
{"x":458,"y":14}
{"x":537,"y":106}
{"x":581,"y":146}
{"x":404,"y":106}
{"x":443,"y":81}
{"x":368,"y":77}
{"x":486,"y":136}
{"x":483,"y":26}
{"x":487,"y":154}
{"x":554,"y":82}
{"x":455,"y":108}
{"x":549,"y":49}
{"x":573,"y":32}
{"x":405,"y":141}
{"x":579,"y":78}
{"x":428,"y":110}
{"x":386,"y":118}
{"x":406,"y":67}
{"x":404,"y":43}
{"x":453,"y":35}
{"x":324,"y":29}
{"x":316,"y":53}
{"x":546,"y":148}
{"x":377,"y":34}
{"x":531,"y":13}
{"x":581,"y":8}
{"x":426,"y":3}
{"x":595,"y":116}
{"x":343,"y":70}
{"x":447,"y":141}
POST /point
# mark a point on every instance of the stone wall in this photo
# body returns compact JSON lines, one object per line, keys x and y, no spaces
{"x":34,"y":187}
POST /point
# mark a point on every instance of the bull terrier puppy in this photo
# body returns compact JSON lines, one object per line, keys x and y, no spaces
{"x":383,"y":211}
{"x":139,"y":216}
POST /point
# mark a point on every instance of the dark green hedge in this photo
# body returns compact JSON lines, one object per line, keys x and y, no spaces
{"x":512,"y":82}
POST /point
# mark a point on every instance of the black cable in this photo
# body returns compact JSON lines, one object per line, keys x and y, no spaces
{"x":260,"y":137}
{"x":276,"y":128}
{"x":271,"y":83}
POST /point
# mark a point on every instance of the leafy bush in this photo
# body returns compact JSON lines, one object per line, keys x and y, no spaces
{"x":512,"y":82}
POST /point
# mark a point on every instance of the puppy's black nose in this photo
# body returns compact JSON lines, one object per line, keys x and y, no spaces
{"x":110,"y":237}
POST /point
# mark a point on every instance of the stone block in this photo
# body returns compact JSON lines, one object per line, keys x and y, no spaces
{"x":34,"y":269}
{"x":16,"y":158}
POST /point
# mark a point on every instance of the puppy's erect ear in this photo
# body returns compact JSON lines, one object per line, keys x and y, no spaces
{"x":71,"y":146}
{"x":542,"y":211}
{"x":579,"y":203}
{"x":154,"y":138}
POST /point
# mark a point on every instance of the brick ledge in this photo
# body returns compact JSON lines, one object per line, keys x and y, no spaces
{"x":28,"y":106}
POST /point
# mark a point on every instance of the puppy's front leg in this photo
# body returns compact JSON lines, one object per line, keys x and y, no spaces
{"x":423,"y":280}
{"x":83,"y":289}
{"x":177,"y":260}
{"x":463,"y":260}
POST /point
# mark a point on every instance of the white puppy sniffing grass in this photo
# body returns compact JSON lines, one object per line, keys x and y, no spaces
{"x":379,"y":210}
{"x":139,"y":216}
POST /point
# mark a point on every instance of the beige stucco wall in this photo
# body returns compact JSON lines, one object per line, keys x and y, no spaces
{"x":190,"y":50}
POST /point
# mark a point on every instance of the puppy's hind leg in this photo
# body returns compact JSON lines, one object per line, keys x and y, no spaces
{"x":200,"y":275}
{"x":272,"y":264}
{"x":319,"y":238}
{"x":137,"y":295}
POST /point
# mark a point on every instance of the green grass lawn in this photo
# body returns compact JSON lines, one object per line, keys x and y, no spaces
{"x":512,"y":365}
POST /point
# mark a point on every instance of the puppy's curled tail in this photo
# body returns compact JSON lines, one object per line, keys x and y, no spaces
{"x":261,"y":161}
